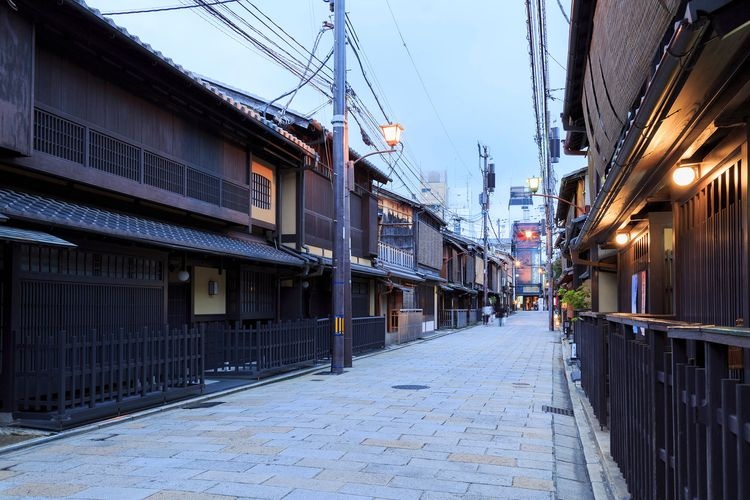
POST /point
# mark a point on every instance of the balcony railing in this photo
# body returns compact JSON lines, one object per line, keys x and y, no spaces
{"x":676,"y":399}
{"x":89,"y":147}
{"x":394,"y":255}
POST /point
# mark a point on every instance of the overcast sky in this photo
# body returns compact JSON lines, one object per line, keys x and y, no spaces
{"x":472,"y":57}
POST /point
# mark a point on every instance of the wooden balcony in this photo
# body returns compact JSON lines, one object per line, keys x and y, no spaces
{"x":397,"y":256}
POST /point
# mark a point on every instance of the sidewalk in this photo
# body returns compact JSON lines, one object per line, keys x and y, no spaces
{"x":482,"y":415}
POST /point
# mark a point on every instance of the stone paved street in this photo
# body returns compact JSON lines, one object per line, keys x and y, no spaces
{"x":478,"y":430}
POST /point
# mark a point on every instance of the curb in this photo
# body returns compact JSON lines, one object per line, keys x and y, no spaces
{"x":606,"y":480}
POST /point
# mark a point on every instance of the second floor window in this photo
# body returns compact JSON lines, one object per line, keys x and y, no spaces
{"x":261,"y":192}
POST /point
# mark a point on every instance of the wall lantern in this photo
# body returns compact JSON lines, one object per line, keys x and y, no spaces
{"x":183,"y":276}
{"x":684,"y":175}
{"x":534,"y":183}
{"x":622,"y":238}
{"x":392,"y":133}
{"x":213,"y":288}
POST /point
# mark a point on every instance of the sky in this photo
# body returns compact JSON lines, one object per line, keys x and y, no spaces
{"x":454,"y":74}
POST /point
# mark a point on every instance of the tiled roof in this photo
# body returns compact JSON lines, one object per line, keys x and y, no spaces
{"x":25,"y":235}
{"x":31,"y":207}
{"x":247,"y":111}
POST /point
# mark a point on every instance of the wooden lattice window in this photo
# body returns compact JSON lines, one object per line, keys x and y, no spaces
{"x":257,"y":292}
{"x":114,"y":156}
{"x":710,"y":250}
{"x":204,"y":187}
{"x":234,"y":197}
{"x":261,"y":192}
{"x":163,"y":173}
{"x":57,"y":136}
{"x":85,"y":264}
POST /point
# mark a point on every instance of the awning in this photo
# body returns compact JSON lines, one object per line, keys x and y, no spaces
{"x":370,"y":271}
{"x":432,"y":277}
{"x":400,"y":287}
{"x":35,"y":208}
{"x":357,"y":268}
{"x":446,"y":288}
{"x":27,"y":236}
{"x":402,"y":273}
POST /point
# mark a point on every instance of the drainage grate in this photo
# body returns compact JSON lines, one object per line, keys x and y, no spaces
{"x":559,"y":411}
{"x":521,"y":384}
{"x":316,"y":380}
{"x":198,"y":406}
{"x":410,"y":387}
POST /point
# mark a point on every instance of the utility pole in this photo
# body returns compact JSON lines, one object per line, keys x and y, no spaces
{"x":341,"y":285}
{"x":488,"y":185}
{"x":552,"y":157}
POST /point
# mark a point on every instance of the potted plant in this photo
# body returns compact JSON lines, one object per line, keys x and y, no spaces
{"x":573,"y":299}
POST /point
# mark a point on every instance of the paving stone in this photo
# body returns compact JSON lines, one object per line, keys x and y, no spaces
{"x":43,"y":490}
{"x":248,"y":490}
{"x":429,"y":484}
{"x":114,"y":493}
{"x":185,"y":495}
{"x":370,"y":490}
{"x":487,"y":491}
{"x":533,"y":483}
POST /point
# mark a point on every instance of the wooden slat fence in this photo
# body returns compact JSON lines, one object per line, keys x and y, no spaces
{"x":59,"y":374}
{"x":679,"y":405}
{"x":368,"y":334}
{"x":592,"y":342}
{"x":454,"y":318}
{"x":273,"y":347}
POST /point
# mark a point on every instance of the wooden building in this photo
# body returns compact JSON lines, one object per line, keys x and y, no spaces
{"x":658,"y":99}
{"x":141,"y":203}
{"x":458,"y":298}
{"x":409,"y":246}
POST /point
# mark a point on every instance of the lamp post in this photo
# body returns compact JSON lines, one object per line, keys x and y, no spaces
{"x":341,"y":289}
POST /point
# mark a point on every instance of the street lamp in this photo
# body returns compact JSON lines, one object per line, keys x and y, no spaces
{"x":534,"y":183}
{"x":392,"y":133}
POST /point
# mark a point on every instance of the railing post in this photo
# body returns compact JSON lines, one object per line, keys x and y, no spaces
{"x":61,"y":405}
{"x":92,"y":378}
{"x":202,"y":354}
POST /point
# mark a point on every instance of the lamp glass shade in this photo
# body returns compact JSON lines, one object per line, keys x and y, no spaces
{"x":183,"y":276}
{"x":528,"y":234}
{"x":534,"y":183}
{"x":392,"y":133}
{"x":683,"y":176}
{"x":622,"y":238}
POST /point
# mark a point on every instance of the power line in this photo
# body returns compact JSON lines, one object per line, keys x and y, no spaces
{"x":164,"y":9}
{"x":424,"y":87}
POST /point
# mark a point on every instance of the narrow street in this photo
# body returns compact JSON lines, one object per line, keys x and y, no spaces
{"x":476,"y":428}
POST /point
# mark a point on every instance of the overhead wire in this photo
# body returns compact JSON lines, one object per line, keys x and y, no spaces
{"x":427,"y":93}
{"x":163,"y":9}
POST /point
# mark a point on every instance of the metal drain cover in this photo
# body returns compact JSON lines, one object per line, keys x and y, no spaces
{"x":521,"y":384}
{"x":410,"y":387}
{"x":559,"y":411}
{"x":206,"y":404}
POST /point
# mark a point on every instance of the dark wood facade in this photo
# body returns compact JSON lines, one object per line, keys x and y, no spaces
{"x":668,"y":372}
{"x":151,"y":178}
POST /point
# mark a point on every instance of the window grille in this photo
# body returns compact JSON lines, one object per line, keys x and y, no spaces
{"x":203,"y":187}
{"x":57,"y":136}
{"x":261,"y":192}
{"x":235,"y":197}
{"x":163,"y":173}
{"x":80,"y":263}
{"x":114,"y":156}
